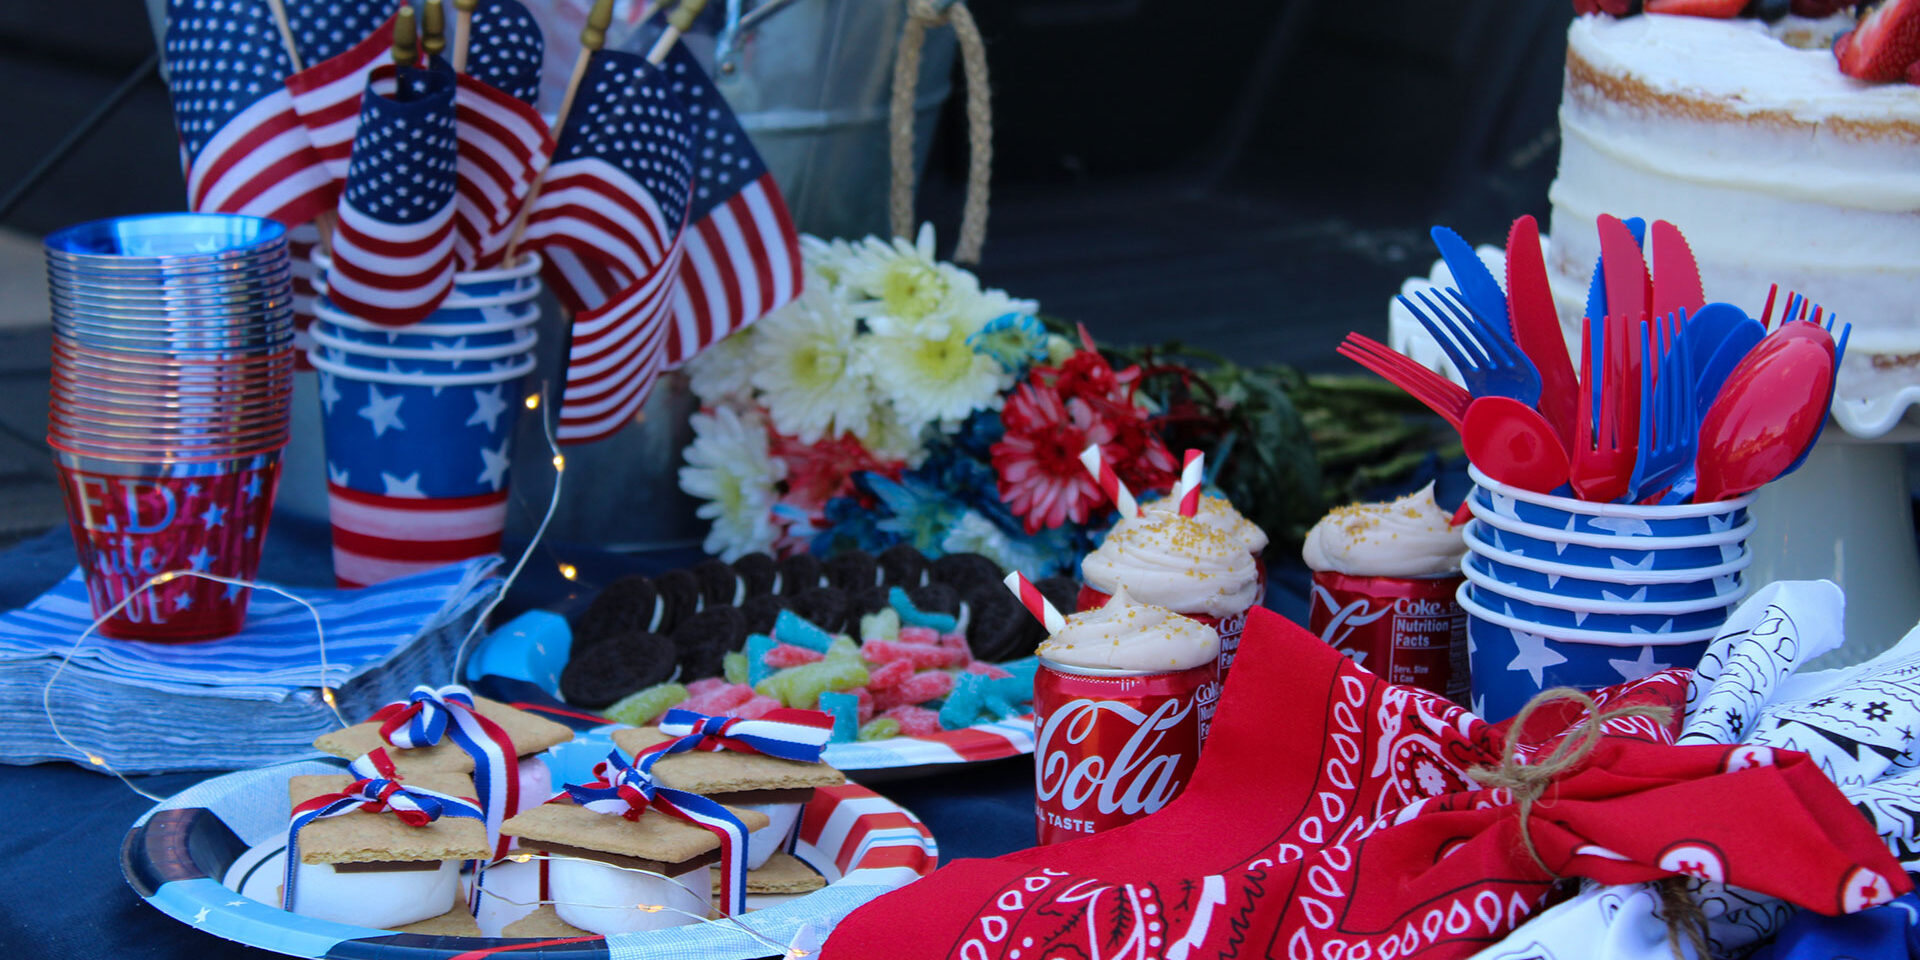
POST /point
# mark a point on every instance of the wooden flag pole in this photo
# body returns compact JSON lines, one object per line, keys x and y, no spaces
{"x":406,"y":42}
{"x":678,"y":23}
{"x":433,"y":32}
{"x":462,"y":32}
{"x":279,"y":9}
{"x":592,"y":37}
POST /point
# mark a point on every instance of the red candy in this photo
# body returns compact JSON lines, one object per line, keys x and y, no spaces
{"x":923,"y":656}
{"x":722,"y":701}
{"x":705,"y":687}
{"x":919,"y":635}
{"x":918,"y":688}
{"x":786,"y":655}
{"x":915,"y":721}
{"x":985,"y":669}
{"x":757,"y":706}
{"x":863,"y":704}
{"x":894,"y":671}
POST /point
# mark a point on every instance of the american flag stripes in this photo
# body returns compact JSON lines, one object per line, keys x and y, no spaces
{"x":379,"y":538}
{"x":326,"y":94}
{"x":503,"y":144}
{"x":655,"y":182}
{"x":393,"y":248}
{"x":241,"y":142}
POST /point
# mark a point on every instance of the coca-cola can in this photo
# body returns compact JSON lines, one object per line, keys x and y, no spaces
{"x":1112,"y":746}
{"x":1406,"y":630}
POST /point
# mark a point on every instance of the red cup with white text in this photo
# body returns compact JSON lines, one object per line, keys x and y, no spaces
{"x":1121,"y":704}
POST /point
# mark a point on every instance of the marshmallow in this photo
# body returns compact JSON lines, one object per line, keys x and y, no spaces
{"x":768,"y":840}
{"x":382,"y":899}
{"x":605,"y":899}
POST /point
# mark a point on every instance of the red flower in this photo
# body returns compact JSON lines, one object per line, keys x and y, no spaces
{"x":1038,"y":460}
{"x":1140,"y":458}
{"x":818,"y":472}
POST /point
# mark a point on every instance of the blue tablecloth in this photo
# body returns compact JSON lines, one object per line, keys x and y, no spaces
{"x":61,"y":826}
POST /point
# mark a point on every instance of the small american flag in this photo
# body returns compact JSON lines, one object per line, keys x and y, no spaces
{"x":655,"y":180}
{"x":393,"y":251}
{"x":241,"y":141}
{"x":503,"y":144}
{"x":505,"y":49}
{"x":341,"y":43}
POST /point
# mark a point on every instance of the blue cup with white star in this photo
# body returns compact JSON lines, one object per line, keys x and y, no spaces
{"x":1625,"y":520}
{"x":1564,"y":580}
{"x":1604,"y":552}
{"x":449,"y":357}
{"x":501,"y":322}
{"x":1613,"y":616}
{"x":1513,"y":659}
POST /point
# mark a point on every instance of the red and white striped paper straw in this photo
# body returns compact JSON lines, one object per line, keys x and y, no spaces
{"x":1109,"y":481}
{"x":1036,"y":603}
{"x":1190,"y":477}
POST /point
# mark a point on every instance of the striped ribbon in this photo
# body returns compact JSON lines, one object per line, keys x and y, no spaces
{"x":624,"y":790}
{"x":786,"y":733}
{"x":375,"y":792}
{"x":430,"y":715}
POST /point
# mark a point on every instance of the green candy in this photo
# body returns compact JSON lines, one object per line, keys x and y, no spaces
{"x":885,"y":625}
{"x":844,"y":647}
{"x":734,"y":667}
{"x":638,"y":708}
{"x":802,"y":686}
{"x":879,"y":728}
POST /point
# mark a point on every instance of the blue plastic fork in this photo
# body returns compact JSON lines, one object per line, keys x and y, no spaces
{"x":1490,"y":362}
{"x":1669,"y":418}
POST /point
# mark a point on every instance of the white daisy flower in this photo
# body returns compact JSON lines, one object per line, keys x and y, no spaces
{"x":826,"y":260}
{"x":728,"y":465}
{"x":887,"y":438}
{"x":803,"y":364}
{"x":928,"y":371}
{"x":906,"y":281}
{"x":723,"y":373}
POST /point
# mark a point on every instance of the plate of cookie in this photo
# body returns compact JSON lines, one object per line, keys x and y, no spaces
{"x":369,"y":885}
{"x":924,"y":663}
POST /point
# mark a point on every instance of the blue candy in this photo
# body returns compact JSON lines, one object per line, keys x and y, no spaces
{"x":792,"y":628}
{"x":758,"y":646}
{"x":964,"y":703}
{"x":912,"y":616}
{"x":845,"y":709}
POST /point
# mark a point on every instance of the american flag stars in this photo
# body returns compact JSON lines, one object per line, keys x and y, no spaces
{"x":507,"y":49}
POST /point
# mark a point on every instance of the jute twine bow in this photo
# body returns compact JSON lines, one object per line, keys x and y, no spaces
{"x":922,"y":14}
{"x":1528,"y":781}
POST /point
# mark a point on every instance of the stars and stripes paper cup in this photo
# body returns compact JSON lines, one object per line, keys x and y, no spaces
{"x":503,"y":323}
{"x":1514,"y":659}
{"x":1657,"y":619}
{"x":1591,"y":583}
{"x":131,"y":522}
{"x":1626,"y":520}
{"x":1605,"y":552}
{"x":452,"y":356}
{"x":417,"y":465}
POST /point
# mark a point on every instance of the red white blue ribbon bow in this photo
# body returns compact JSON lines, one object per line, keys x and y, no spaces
{"x":788,"y":734}
{"x":375,"y":792}
{"x":428,"y":716}
{"x":625,"y":790}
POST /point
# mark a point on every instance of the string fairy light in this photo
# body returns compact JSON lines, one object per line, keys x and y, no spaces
{"x":539,"y":534}
{"x":160,"y":579}
{"x":789,"y":952}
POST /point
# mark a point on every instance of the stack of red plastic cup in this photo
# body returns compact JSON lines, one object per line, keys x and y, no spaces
{"x":172,"y":377}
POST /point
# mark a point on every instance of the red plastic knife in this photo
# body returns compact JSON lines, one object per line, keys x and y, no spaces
{"x":1536,"y":328}
{"x":1676,"y":278}
{"x":1626,"y":272}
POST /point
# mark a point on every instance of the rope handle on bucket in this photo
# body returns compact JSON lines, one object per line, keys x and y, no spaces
{"x":922,"y":14}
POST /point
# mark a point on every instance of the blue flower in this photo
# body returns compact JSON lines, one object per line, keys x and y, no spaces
{"x":1014,"y":340}
{"x":852,"y":525}
{"x":922,"y":512}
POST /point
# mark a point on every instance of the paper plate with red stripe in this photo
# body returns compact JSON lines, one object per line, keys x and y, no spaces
{"x":213,"y":855}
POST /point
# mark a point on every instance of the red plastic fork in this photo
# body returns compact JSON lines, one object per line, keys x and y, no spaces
{"x":1442,"y":396}
{"x":1603,"y":453}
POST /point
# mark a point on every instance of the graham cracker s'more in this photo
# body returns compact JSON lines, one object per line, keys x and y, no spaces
{"x":377,"y":853}
{"x":774,"y":786}
{"x":451,"y":730}
{"x":620,"y":872}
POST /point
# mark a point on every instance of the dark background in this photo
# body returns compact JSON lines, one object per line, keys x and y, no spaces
{"x":1250,"y":174}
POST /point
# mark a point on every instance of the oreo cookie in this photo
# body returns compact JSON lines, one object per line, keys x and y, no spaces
{"x":962,"y":571}
{"x":627,"y":605}
{"x":702,"y":640}
{"x":758,"y":572}
{"x":718,"y":583}
{"x":679,"y":596}
{"x":998,"y":627}
{"x":870,"y":600}
{"x":762,"y":611}
{"x":800,"y":573}
{"x":600,"y":675}
{"x":902,"y":566}
{"x":1062,"y":592}
{"x":853,"y":570}
{"x":824,"y":607}
{"x":936,"y":598}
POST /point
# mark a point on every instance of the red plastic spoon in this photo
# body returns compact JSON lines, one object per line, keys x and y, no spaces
{"x":1765,"y":415}
{"x":1512,"y":443}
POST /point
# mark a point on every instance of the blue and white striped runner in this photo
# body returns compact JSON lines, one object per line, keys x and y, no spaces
{"x":277,"y":647}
